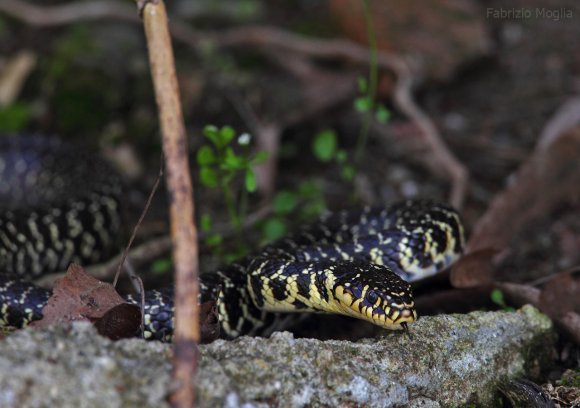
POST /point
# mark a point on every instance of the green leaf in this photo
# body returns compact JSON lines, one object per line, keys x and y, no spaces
{"x":213,"y":240}
{"x":205,"y":223}
{"x":324,"y":145}
{"x":363,"y":104}
{"x":162,"y":266}
{"x":497,"y":297}
{"x":212,"y":133}
{"x":309,"y":189}
{"x":285,"y":202}
{"x":382,"y":114}
{"x":314,"y":208}
{"x":208,"y":177}
{"x":233,"y":161}
{"x":348,"y":172}
{"x":251,"y":182}
{"x":273,"y":229}
{"x":260,"y":157}
{"x":341,"y":156}
{"x":363,"y":85}
{"x":14,"y":117}
{"x":205,"y":156}
{"x":226,"y":135}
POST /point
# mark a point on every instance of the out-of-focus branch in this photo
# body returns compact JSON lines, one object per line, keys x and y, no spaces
{"x":14,"y":74}
{"x":47,"y":16}
{"x":183,"y":231}
{"x":454,"y":169}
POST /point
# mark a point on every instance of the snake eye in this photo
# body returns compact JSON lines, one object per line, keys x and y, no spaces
{"x":371,"y":297}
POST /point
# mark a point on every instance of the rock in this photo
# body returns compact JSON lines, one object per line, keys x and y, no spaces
{"x":446,"y":360}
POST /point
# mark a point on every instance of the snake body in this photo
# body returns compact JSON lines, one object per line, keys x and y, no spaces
{"x":357,"y":263}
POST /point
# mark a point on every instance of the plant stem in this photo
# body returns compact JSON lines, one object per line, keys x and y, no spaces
{"x":373,"y":83}
{"x":231,"y":207}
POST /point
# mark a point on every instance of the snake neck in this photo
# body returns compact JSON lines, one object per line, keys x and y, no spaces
{"x":353,"y":288}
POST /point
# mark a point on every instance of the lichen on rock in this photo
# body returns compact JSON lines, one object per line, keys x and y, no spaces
{"x":446,"y":360}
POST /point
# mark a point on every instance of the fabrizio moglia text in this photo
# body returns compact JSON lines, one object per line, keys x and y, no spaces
{"x":529,"y":13}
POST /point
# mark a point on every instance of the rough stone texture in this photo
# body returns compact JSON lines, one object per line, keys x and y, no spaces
{"x":72,"y":366}
{"x":448,"y":360}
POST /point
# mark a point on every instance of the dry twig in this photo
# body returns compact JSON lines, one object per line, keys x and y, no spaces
{"x":453,"y":167}
{"x":183,"y":231}
{"x":139,"y":222}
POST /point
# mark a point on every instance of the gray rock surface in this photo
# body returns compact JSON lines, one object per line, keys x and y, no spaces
{"x":448,"y":360}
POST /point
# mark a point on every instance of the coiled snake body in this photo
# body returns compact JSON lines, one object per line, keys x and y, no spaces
{"x":57,"y":209}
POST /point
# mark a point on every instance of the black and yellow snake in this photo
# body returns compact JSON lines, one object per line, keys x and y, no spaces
{"x":62,"y":205}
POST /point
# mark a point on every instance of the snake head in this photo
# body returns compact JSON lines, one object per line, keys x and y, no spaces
{"x":373,"y":293}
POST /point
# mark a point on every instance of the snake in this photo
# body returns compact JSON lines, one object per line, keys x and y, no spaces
{"x":62,"y":203}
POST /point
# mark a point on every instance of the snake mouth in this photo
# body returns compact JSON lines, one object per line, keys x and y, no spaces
{"x":395,"y":318}
{"x":387,"y":313}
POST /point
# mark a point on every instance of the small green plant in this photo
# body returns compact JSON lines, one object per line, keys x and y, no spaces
{"x":161,"y":266}
{"x":366,"y":103}
{"x":219,"y":167}
{"x":325,"y":148}
{"x":498,"y":298}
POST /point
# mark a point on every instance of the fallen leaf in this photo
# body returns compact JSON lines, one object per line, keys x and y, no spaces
{"x":120,"y":322}
{"x":209,"y":322}
{"x":79,"y":296}
{"x":560,"y":296}
{"x":571,"y":323}
{"x":473,"y":269}
{"x":548,"y":178}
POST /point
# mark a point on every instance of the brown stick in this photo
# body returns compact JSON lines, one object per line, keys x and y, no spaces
{"x":183,"y":231}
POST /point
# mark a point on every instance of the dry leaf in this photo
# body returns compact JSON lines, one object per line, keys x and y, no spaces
{"x":120,"y":322}
{"x":208,"y":319}
{"x":560,"y":296}
{"x":473,"y":269}
{"x":79,"y":296}
{"x":550,"y":176}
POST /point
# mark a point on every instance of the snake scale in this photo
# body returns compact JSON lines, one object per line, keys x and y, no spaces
{"x":61,"y":204}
